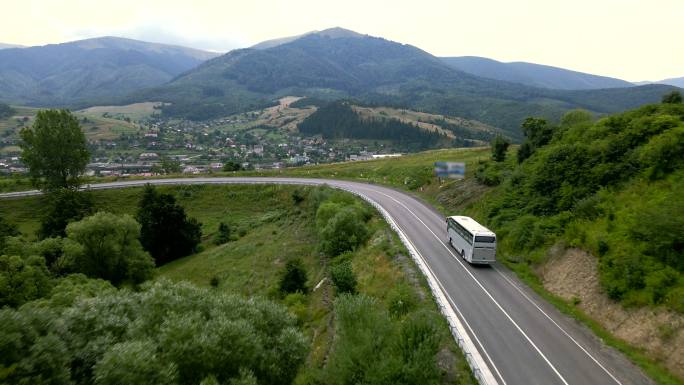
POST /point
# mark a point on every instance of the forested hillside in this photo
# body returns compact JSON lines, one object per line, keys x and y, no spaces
{"x":345,"y":64}
{"x":337,"y":120}
{"x":612,"y":187}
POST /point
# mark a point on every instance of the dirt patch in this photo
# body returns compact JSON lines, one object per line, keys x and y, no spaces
{"x":573,"y":275}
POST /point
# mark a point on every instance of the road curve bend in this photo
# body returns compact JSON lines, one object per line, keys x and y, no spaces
{"x":510,"y":335}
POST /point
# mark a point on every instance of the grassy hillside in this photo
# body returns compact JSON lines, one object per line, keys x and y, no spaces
{"x":272,"y":226}
{"x":100,"y":123}
{"x":610,"y":188}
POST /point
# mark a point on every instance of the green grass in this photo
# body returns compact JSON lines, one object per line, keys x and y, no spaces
{"x":270,"y":230}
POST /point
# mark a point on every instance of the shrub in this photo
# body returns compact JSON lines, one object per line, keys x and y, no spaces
{"x":499,"y":148}
{"x":107,"y":246}
{"x":294,"y":278}
{"x":401,"y":300}
{"x":166,"y":333}
{"x":343,"y":278}
{"x":223,"y":234}
{"x":345,"y":231}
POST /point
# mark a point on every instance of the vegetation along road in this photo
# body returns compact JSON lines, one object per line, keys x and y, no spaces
{"x":509,"y":334}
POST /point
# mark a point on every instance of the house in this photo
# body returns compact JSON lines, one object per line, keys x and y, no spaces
{"x":149,"y":156}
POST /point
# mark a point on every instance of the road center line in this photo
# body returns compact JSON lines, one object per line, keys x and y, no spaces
{"x":483,"y":289}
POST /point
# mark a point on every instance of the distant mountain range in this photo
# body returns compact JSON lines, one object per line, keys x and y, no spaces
{"x":90,"y":70}
{"x":677,"y":82}
{"x":328,"y":65}
{"x":338,"y":63}
{"x":535,"y":75}
{"x":3,"y":46}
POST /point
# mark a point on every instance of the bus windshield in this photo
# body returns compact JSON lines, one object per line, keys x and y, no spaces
{"x":485,"y":239}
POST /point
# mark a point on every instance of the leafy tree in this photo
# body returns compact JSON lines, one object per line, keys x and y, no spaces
{"x":54,"y":150}
{"x":674,"y":97}
{"x":294,"y":278}
{"x":107,"y":246}
{"x":499,"y":148}
{"x":169,"y":166}
{"x":62,"y":207}
{"x":537,"y":131}
{"x":343,"y":278}
{"x":7,"y":229}
{"x":22,"y":279}
{"x":232,"y":166}
{"x":524,"y":151}
{"x":167,"y":233}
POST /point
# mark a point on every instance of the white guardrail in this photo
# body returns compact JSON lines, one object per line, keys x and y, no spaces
{"x":477,"y":364}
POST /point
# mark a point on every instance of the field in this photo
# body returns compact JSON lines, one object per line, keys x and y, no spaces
{"x":269,"y":230}
{"x":95,"y":126}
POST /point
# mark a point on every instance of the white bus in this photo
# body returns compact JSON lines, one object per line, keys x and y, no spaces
{"x":474,"y":242}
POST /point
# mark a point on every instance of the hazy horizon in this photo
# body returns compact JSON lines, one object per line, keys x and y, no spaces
{"x":626,"y":39}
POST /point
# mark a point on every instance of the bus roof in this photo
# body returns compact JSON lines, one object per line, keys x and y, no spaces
{"x":471,"y":225}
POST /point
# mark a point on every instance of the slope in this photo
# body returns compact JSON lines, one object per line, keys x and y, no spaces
{"x":535,"y":75}
{"x":337,"y":63}
{"x":68,"y":73}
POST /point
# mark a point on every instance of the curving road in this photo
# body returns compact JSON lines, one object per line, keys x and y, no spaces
{"x":514,"y":335}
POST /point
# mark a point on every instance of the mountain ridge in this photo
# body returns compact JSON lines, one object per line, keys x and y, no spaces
{"x":532,"y":74}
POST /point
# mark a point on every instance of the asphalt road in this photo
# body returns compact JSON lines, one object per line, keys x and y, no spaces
{"x":522,"y":339}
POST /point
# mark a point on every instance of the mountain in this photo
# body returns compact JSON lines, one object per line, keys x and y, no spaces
{"x":337,"y":64}
{"x":4,"y":46}
{"x":68,"y":73}
{"x":677,"y":82}
{"x":331,"y":32}
{"x":535,"y":75}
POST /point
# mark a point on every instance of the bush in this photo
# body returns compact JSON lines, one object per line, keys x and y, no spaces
{"x":166,"y":333}
{"x":499,"y":148}
{"x":107,"y":246}
{"x":294,"y":278}
{"x":674,"y":97}
{"x":166,"y":231}
{"x":401,"y":300}
{"x":344,"y":231}
{"x":223,"y":234}
{"x":371,"y":348}
{"x":343,"y":278}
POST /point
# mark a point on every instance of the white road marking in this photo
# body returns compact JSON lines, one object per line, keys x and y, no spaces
{"x":453,"y":304}
{"x":557,"y":325}
{"x":485,"y":291}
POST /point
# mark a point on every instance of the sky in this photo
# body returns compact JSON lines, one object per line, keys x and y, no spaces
{"x":633,"y":40}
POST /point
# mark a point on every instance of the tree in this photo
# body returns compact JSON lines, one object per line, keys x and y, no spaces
{"x":499,"y":148}
{"x":294,"y":278}
{"x":22,"y":279}
{"x":62,"y":207}
{"x":169,"y":166}
{"x":232,"y":166}
{"x":166,"y":233}
{"x":107,"y":246}
{"x":7,"y":229}
{"x":54,"y":150}
{"x":673,"y":97}
{"x":537,"y":131}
